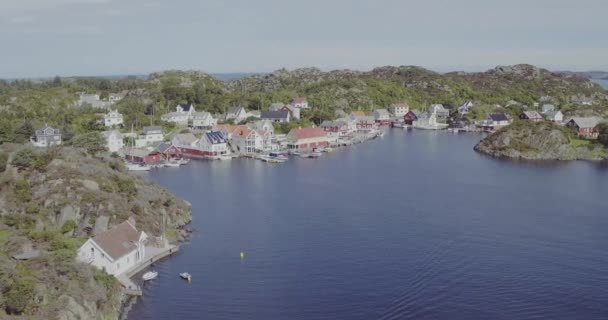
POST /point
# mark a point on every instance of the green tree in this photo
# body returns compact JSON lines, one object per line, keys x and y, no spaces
{"x":602,"y":129}
{"x":22,"y":190}
{"x":24,"y":132}
{"x":93,"y":142}
{"x":23,"y":158}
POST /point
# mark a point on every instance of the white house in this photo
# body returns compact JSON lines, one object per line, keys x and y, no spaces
{"x":300,"y":103}
{"x":265,"y":125}
{"x":399,"y":109}
{"x":115,"y":251}
{"x":465,"y":108}
{"x":149,"y":136}
{"x":180,"y":118}
{"x":213,"y":143}
{"x":555,"y":116}
{"x":381,"y":115}
{"x":113,"y":118}
{"x":248,"y":140}
{"x":46,"y":137}
{"x":114,"y":140}
{"x":440,"y":112}
{"x":203,"y":120}
{"x":183,"y":113}
{"x":276,"y":106}
{"x":115,"y":97}
{"x":307,"y":138}
{"x":237,"y":114}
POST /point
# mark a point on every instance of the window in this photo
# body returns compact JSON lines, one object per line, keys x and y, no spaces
{"x":92,"y":252}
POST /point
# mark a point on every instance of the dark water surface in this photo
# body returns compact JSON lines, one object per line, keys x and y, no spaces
{"x":412,"y":226}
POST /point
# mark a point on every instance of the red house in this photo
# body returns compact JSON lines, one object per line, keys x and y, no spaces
{"x":143,"y":156}
{"x":410,"y":117}
{"x":169,"y":151}
{"x":585,"y":127}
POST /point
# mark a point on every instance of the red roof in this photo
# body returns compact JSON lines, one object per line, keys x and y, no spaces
{"x":307,"y":133}
{"x":299,"y":100}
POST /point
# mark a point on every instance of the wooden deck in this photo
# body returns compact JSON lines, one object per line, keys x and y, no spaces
{"x":153,"y":254}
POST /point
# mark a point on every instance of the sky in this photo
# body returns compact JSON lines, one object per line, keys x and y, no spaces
{"x":44,"y":38}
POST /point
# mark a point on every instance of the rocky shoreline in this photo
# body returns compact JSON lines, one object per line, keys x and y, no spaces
{"x":539,"y":141}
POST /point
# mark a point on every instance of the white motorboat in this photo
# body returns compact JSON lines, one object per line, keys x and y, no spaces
{"x":185,"y":276}
{"x":172,"y":164}
{"x":150,"y":275}
{"x":184,"y":161}
{"x":315,"y":154}
{"x":399,"y":125}
{"x":138,"y":167}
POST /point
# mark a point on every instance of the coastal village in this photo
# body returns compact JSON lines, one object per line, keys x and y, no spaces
{"x":251,"y":134}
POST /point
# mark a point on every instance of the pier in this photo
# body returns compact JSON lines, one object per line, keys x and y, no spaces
{"x":152,"y":255}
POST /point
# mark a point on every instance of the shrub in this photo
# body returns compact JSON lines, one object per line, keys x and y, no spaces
{"x":126,"y":186}
{"x":93,"y":142}
{"x":137,"y":210}
{"x":32,"y":208}
{"x":19,"y":295}
{"x":105,"y":279}
{"x":23,"y":158}
{"x":68,"y":226}
{"x":22,"y":190}
{"x":42,"y":160}
{"x":3,"y":161}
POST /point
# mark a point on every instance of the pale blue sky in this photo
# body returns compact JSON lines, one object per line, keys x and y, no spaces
{"x":40,"y":38}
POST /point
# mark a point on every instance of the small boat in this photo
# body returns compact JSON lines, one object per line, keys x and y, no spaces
{"x":329,"y":150}
{"x":185,"y":276}
{"x":184,"y":161}
{"x":172,"y":164}
{"x":150,"y":275}
{"x":138,"y":167}
{"x":315,"y":154}
{"x":399,"y":125}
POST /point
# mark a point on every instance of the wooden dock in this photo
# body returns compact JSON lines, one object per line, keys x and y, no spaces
{"x":153,"y":254}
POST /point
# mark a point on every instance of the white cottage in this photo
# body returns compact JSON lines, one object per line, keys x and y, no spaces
{"x":113,"y":118}
{"x":237,"y":114}
{"x":46,"y":137}
{"x":114,"y":140}
{"x":150,"y":135}
{"x":203,"y":120}
{"x":399,"y":109}
{"x":115,"y":251}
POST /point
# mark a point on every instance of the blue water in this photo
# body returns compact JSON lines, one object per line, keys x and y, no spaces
{"x":412,"y":226}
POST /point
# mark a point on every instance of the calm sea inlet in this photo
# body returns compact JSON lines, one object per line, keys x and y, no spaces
{"x":412,"y":226}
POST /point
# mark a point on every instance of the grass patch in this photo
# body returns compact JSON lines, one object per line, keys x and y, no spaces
{"x":575,"y":143}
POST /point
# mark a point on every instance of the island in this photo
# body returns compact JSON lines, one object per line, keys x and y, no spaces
{"x":542,"y":140}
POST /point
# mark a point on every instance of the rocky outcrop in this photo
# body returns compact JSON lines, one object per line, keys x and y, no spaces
{"x":38,"y":202}
{"x":539,"y":141}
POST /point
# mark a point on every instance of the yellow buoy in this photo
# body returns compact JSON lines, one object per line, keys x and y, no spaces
{"x":242,"y":255}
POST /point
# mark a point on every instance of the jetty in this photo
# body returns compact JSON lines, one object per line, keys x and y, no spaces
{"x":152,"y":255}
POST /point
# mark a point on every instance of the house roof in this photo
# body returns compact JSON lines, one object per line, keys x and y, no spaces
{"x":119,"y":240}
{"x":201,"y":115}
{"x":365,"y":119}
{"x":437,"y":108}
{"x":336,"y":123}
{"x":163,"y":147}
{"x":41,"y":131}
{"x":307,"y":133}
{"x":400,"y":105}
{"x":275,"y":114}
{"x":498,"y":117}
{"x":140,"y":153}
{"x":185,"y":106}
{"x":147,"y":129}
{"x":358,"y":113}
{"x":215,"y":137}
{"x":276,"y":106}
{"x":235,"y":110}
{"x":382,"y":112}
{"x":185,"y":138}
{"x":225,"y":127}
{"x":299,"y":100}
{"x":241,"y":132}
{"x":586,"y":122}
{"x":532,"y":114}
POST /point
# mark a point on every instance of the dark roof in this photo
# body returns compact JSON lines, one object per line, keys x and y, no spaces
{"x":152,"y":128}
{"x":275,"y":114}
{"x":163,"y":147}
{"x":215,"y":137}
{"x":498,"y":117}
{"x":41,"y":132}
{"x":185,"y":106}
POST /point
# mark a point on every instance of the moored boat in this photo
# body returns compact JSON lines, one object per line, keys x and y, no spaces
{"x":150,"y":275}
{"x":185,"y":276}
{"x":138,"y":167}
